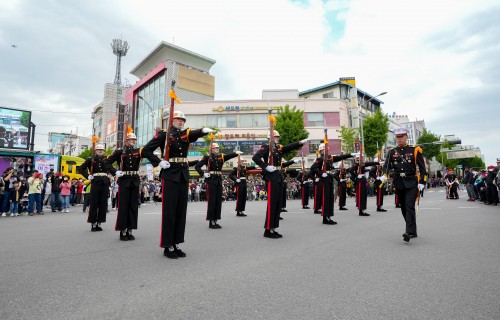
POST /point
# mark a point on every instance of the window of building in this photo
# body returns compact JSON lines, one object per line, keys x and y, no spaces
{"x":253,"y":120}
{"x":315,"y":119}
{"x":327,"y":95}
{"x":195,"y":122}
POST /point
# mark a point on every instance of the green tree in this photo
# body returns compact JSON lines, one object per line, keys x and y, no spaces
{"x":206,"y":149}
{"x":430,"y":150}
{"x":375,"y":130}
{"x":88,"y":153}
{"x":25,"y":119}
{"x":348,"y":137}
{"x":290,"y":125}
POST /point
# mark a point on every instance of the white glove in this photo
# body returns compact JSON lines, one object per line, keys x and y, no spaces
{"x":379,"y":178}
{"x":239,"y":152}
{"x":90,"y":177}
{"x":164,"y":164}
{"x":271,"y":168}
{"x":206,"y":175}
{"x":383,"y":178}
{"x":420,"y":186}
{"x":354,"y":154}
{"x":297,"y":161}
{"x":343,"y":180}
{"x":119,"y":173}
{"x":207,"y":130}
{"x":360,"y":176}
{"x":324,"y":174}
{"x":238,"y":180}
{"x":309,"y":180}
{"x":317,"y":179}
{"x":304,"y":141}
{"x":298,"y":170}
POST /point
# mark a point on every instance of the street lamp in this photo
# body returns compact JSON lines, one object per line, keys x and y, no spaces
{"x":151,"y":111}
{"x":361,"y":122}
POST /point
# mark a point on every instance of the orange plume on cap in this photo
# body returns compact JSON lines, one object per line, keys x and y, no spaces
{"x":95,"y":139}
{"x":173,"y":95}
{"x":212,"y":136}
{"x":129,"y":129}
{"x":272,"y":119}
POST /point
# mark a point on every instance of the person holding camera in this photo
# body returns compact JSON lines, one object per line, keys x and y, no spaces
{"x":8,"y":177}
{"x":35,"y":183}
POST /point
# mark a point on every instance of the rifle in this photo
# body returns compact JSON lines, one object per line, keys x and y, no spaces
{"x":272,"y":120}
{"x":94,"y":140}
{"x":173,"y":98}
{"x":210,"y":151}
{"x":325,"y":157}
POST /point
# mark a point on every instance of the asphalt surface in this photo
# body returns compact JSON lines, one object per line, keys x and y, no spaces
{"x":53,"y":267}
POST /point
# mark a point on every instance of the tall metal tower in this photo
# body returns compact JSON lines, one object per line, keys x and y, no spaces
{"x":120,"y":49}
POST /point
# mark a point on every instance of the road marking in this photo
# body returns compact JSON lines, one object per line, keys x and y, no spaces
{"x":467,"y":207}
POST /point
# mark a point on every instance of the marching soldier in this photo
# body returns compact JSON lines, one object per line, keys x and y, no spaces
{"x":341,"y":176}
{"x":239,"y":177}
{"x":304,"y":190}
{"x":451,"y":185}
{"x":403,"y":161}
{"x":213,"y":179}
{"x":274,"y":178}
{"x":96,"y":170}
{"x":327,"y":197}
{"x":317,"y":185}
{"x":129,"y":161}
{"x":360,"y":180}
{"x":175,"y":177}
{"x":380,"y":179}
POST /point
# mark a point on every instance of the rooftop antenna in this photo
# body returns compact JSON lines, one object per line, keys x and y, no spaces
{"x":120,"y":49}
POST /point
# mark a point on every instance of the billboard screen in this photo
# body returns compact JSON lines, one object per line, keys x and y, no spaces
{"x":14,"y":128}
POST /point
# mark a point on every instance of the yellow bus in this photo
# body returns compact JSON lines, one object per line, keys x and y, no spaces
{"x":69,"y":166}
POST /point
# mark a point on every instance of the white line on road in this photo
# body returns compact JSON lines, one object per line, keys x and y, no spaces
{"x":467,"y":207}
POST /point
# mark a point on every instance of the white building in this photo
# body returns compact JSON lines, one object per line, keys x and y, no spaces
{"x":107,"y":109}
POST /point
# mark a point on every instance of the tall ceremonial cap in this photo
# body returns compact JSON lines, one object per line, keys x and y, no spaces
{"x":179,"y":115}
{"x":400,"y":131}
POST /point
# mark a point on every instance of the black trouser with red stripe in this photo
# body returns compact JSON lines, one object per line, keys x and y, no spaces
{"x":407,"y":198}
{"x":361,"y":194}
{"x":241,"y":196}
{"x":128,"y":206}
{"x":328,"y":200}
{"x":318,"y":193}
{"x":305,"y":194}
{"x":98,"y":202}
{"x":274,"y":195}
{"x":214,"y":201}
{"x":342,"y":193}
{"x":380,"y":193}
{"x":284,"y":195}
{"x":173,"y":209}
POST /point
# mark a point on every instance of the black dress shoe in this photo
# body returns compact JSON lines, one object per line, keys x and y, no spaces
{"x":284,"y":210}
{"x":413,"y":235}
{"x":281,"y":218}
{"x":93,"y":229}
{"x":269,"y":234}
{"x":170,"y":254}
{"x":317,"y":211}
{"x":213,"y":226}
{"x":364,"y":214}
{"x":98,"y":228}
{"x":130,"y":236}
{"x":179,"y":253}
{"x":406,"y":237}
{"x":123,"y":237}
{"x":381,"y":210}
{"x":343,"y":208}
{"x":306,"y":207}
{"x":279,"y":235}
{"x":325,"y":221}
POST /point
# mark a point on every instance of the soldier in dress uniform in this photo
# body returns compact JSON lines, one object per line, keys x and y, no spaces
{"x":327,"y":197}
{"x":341,"y":176}
{"x":452,"y":183}
{"x":239,"y":177}
{"x":274,"y":180}
{"x":96,"y":170}
{"x":129,"y":161}
{"x":174,"y":176}
{"x":213,"y":179}
{"x":317,"y":185}
{"x":402,"y":162}
{"x":359,"y":178}
{"x":304,"y":188}
{"x":380,"y":178}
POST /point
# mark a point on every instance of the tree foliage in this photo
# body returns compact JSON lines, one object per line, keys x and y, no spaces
{"x":375,"y":130}
{"x":348,"y":137}
{"x":88,"y":153}
{"x":290,"y":125}
{"x":206,"y":149}
{"x":25,"y":119}
{"x":426,"y":140}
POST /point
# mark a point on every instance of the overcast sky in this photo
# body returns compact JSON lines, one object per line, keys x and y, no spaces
{"x":438,"y":60}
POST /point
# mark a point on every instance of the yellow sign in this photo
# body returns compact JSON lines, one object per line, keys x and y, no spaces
{"x":238,"y":108}
{"x":348,"y":80}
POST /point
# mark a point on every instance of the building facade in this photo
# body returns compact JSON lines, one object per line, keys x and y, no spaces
{"x":107,"y":109}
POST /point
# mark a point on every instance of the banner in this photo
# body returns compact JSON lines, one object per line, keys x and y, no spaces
{"x":45,"y":162}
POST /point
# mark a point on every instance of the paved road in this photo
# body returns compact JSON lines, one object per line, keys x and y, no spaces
{"x":53,"y":267}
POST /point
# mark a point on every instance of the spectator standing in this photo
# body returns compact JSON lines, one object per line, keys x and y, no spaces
{"x":65,"y":188}
{"x":14,"y":199}
{"x":35,"y":184}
